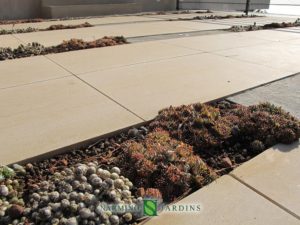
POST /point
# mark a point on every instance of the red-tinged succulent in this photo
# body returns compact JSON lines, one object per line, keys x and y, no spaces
{"x":199,"y":125}
{"x":225,"y":130}
{"x":149,"y":193}
{"x":164,"y":163}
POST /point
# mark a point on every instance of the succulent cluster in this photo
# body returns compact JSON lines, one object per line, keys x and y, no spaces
{"x":52,"y":27}
{"x":163,"y":163}
{"x":61,"y":26}
{"x":200,"y":125}
{"x":18,"y":31}
{"x":34,"y":48}
{"x":265,"y":27}
{"x":266,"y":123}
{"x":22,"y":51}
{"x":216,"y":17}
{"x":78,"y":44}
{"x":37,"y":20}
{"x":227,"y":134}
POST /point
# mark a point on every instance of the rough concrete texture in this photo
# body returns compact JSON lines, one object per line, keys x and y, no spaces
{"x":44,"y":116}
{"x":228,"y":202}
{"x":276,"y":174}
{"x":48,"y":38}
{"x":20,"y":9}
{"x":284,"y":93}
{"x":179,"y":80}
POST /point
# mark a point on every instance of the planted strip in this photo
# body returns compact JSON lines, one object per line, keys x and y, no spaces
{"x":265,"y":27}
{"x":215,"y":17}
{"x":52,"y":27}
{"x":35,"y":49}
{"x":183,"y":149}
{"x":37,"y":20}
{"x":164,"y":163}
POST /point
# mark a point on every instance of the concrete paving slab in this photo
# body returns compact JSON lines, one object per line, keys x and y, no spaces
{"x":41,"y":117}
{"x":276,"y":55}
{"x":276,"y":35}
{"x":276,"y":174}
{"x":48,"y":38}
{"x":293,"y":42}
{"x":215,"y":42}
{"x":28,"y":70}
{"x":226,"y":201}
{"x":90,"y":60}
{"x":284,"y":93}
{"x":147,"y":88}
{"x":93,"y":21}
{"x":9,"y":41}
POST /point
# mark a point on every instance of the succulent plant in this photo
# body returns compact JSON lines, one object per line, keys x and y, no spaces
{"x":163,"y":163}
{"x":225,"y":130}
{"x":35,"y":48}
{"x":264,"y":27}
{"x":61,"y":26}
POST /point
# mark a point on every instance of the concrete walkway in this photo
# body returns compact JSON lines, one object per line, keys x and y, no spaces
{"x":49,"y":102}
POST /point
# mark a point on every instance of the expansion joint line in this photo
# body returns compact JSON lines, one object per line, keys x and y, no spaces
{"x":96,"y":89}
{"x":266,"y":197}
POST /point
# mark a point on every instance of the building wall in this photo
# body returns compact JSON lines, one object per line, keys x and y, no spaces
{"x":23,"y":9}
{"x":20,"y":9}
{"x":226,"y":5}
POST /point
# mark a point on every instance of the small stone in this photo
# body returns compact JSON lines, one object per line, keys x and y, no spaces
{"x":127,"y":217}
{"x":114,"y":219}
{"x":4,"y":190}
{"x":133,"y":132}
{"x":114,"y":176}
{"x":85,"y":213}
{"x":257,"y":146}
{"x":118,"y":183}
{"x":116,"y":170}
{"x":15,"y":211}
{"x":45,"y":212}
{"x":72,"y":221}
{"x":226,"y":162}
{"x":19,"y":169}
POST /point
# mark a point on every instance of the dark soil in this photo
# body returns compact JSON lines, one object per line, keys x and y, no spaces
{"x":183,"y":148}
{"x":35,"y":49}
